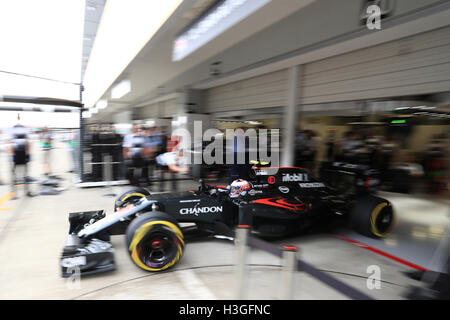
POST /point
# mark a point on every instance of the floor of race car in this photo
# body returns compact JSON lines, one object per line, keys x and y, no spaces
{"x":34,"y":230}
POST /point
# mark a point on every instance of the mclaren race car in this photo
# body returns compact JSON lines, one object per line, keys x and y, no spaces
{"x":274,"y":202}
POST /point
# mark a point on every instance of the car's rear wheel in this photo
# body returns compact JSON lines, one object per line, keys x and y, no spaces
{"x":154,"y":241}
{"x":372,"y":216}
{"x":130,"y":196}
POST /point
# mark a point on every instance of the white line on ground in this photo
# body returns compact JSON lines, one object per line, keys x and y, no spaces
{"x":194,"y":285}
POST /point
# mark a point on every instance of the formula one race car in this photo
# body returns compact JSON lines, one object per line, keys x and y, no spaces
{"x":275,"y":202}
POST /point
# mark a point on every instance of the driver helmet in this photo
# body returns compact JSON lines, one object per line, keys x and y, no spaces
{"x":237,"y":187}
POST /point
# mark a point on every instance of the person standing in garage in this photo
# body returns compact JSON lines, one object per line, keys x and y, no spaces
{"x":388,"y":150}
{"x":351,"y":147}
{"x":46,"y":148}
{"x":72,"y":144}
{"x":154,"y":142}
{"x":2,"y":143}
{"x":20,"y":153}
{"x":127,"y":140}
{"x":313,"y":140}
{"x":435,"y":161}
{"x":135,"y":150}
{"x":163,"y":138}
{"x":330,"y":143}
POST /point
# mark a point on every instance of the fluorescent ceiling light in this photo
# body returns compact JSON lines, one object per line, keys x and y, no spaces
{"x":253,"y":122}
{"x":218,"y":19}
{"x":91,"y":8}
{"x":423,"y":107}
{"x":121,"y":89}
{"x":86,"y":114}
{"x":48,"y":108}
{"x":102,"y":104}
{"x":182,"y":120}
{"x":125,"y":28}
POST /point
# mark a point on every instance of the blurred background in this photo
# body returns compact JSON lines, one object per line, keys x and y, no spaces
{"x":92,"y":91}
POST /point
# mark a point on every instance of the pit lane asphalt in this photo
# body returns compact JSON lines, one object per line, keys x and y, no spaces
{"x":33,"y":234}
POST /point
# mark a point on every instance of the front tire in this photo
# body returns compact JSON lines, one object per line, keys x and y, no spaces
{"x":372,"y":216}
{"x":154,"y":241}
{"x":130,"y":196}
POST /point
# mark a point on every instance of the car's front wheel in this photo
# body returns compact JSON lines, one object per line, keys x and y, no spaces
{"x":154,"y":241}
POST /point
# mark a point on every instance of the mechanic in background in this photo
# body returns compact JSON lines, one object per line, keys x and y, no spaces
{"x":387,"y":151}
{"x":135,"y":152}
{"x":351,"y":145}
{"x":46,"y":148}
{"x":330,"y":143}
{"x":20,"y":154}
{"x":306,"y":146}
{"x":300,"y":145}
{"x":173,"y":162}
{"x":435,"y":163}
{"x":312,"y":146}
{"x":372,"y":144}
{"x":164,"y":137}
{"x":72,"y":144}
{"x":154,"y":142}
{"x":2,"y":144}
{"x":127,"y":140}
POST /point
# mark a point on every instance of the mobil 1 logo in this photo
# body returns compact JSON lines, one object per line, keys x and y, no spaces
{"x":294,"y":177}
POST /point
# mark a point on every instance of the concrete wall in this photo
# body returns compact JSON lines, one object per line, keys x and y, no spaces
{"x":421,"y":134}
{"x":122,"y":117}
{"x":299,"y":30}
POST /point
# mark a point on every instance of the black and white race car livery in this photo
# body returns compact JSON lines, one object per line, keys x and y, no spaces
{"x":280,"y":202}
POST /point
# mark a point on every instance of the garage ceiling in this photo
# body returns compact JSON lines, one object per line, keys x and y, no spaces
{"x":153,"y":65}
{"x":92,"y":16}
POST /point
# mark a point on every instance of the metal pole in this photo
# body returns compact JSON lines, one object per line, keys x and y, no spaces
{"x":241,"y":262}
{"x":290,"y":115}
{"x":108,"y":174}
{"x":289,"y":269}
{"x":81,"y":138}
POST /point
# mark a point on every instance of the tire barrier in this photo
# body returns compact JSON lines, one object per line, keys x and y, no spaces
{"x":291,"y":264}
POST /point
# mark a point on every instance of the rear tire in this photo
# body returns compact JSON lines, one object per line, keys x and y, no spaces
{"x":130,"y":196}
{"x":155,"y":242}
{"x":372,"y":216}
